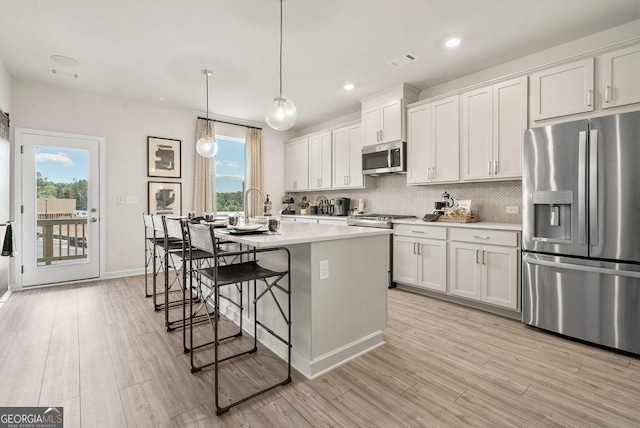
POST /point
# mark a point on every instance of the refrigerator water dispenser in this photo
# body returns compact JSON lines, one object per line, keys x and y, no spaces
{"x":552,"y":216}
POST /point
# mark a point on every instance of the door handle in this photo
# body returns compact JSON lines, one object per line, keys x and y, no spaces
{"x":414,"y":248}
{"x":582,"y":186}
{"x":481,"y":237}
{"x":381,"y":135}
{"x":477,"y":251}
{"x":593,"y":187}
{"x":93,"y":219}
{"x":582,"y":268}
{"x":484,"y":254}
{"x":419,"y":249}
{"x":589,"y":97}
{"x":607,"y":94}
{"x":489,"y":171}
{"x":495,"y":167}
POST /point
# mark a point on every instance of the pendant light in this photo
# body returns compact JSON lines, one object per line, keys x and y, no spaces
{"x":281,"y":112}
{"x":207,"y":146}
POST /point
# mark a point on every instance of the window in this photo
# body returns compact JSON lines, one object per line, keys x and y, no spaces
{"x":229,"y":173}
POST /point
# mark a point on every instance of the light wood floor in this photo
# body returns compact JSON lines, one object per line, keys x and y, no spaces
{"x":100,"y":351}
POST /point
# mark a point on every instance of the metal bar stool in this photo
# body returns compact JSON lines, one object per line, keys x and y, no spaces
{"x":149,"y":251}
{"x":218,"y":276}
{"x":163,"y":245}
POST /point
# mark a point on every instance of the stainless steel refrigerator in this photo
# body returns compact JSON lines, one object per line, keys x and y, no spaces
{"x":581,"y":230}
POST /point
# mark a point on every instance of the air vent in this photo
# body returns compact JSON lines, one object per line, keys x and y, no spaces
{"x":62,"y":73}
{"x":403,"y":60}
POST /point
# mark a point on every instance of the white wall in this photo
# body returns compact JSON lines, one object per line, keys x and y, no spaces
{"x":5,"y":89}
{"x":125,"y":125}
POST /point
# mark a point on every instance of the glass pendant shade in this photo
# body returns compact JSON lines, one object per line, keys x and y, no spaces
{"x":207,"y":147}
{"x":281,"y":114}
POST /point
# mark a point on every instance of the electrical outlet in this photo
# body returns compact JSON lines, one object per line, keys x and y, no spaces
{"x":120,"y":200}
{"x":512,"y":210}
{"x":324,"y":269}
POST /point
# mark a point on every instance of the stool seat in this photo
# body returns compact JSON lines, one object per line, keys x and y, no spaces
{"x":239,"y":272}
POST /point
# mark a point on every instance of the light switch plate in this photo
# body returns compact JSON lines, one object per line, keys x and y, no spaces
{"x":120,"y":200}
{"x":132,"y":200}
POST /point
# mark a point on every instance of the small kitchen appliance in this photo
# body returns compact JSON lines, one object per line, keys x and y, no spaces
{"x":384,"y":159}
{"x":341,"y":206}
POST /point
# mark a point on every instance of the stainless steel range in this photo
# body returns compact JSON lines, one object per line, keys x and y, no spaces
{"x":383,"y":221}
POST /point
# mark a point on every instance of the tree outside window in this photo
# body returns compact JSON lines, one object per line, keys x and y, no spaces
{"x":229,"y":173}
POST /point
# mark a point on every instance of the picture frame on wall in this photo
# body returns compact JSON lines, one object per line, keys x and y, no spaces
{"x":164,"y":157}
{"x":165,"y":198}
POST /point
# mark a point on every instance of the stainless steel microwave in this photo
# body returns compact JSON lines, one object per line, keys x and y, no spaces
{"x":386,"y":158}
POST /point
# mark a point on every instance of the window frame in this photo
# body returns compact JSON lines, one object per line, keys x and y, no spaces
{"x":214,"y":176}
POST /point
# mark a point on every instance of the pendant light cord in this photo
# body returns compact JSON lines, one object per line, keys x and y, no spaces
{"x":281,"y":48}
{"x":208,"y":123}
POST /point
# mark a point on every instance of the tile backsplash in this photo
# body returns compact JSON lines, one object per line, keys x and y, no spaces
{"x":391,"y":195}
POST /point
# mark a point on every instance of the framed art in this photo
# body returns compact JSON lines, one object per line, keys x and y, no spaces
{"x":165,"y":198}
{"x":164,"y":157}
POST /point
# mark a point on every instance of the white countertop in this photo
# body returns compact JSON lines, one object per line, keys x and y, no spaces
{"x":478,"y":225}
{"x":302,"y":233}
{"x":319,"y":217}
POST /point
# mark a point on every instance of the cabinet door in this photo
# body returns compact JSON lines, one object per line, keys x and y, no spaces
{"x":432,"y":264}
{"x":320,"y":161}
{"x":391,"y":118}
{"x":405,"y":260}
{"x":510,"y":107}
{"x":564,"y":90}
{"x":477,"y":134}
{"x":371,"y":125}
{"x":419,"y":145}
{"x":500,"y":276}
{"x":341,"y":161}
{"x":465,"y":270}
{"x":620,"y":83}
{"x":290,"y":167}
{"x":445,"y":138}
{"x":355,"y":177}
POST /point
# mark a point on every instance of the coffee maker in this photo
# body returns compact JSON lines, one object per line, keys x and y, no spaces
{"x":341,"y":206}
{"x":441,"y":207}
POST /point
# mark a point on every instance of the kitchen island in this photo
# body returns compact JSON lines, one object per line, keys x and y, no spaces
{"x":336,"y":318}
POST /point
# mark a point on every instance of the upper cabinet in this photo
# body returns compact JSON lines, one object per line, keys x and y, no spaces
{"x":563,"y":90}
{"x":493,"y":118}
{"x":620,"y":84}
{"x":320,"y":161}
{"x":432,"y":147}
{"x":383,"y":116}
{"x":296,"y":165}
{"x":347,"y":157}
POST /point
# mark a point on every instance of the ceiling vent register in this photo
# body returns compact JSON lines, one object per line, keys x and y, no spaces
{"x":403,"y":60}
{"x":63,"y":73}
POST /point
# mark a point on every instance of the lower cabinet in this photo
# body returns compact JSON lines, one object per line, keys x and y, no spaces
{"x":476,"y":264}
{"x":420,"y":262}
{"x":487,"y":273}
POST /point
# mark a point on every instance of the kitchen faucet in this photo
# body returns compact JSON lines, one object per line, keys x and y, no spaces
{"x":246,"y":198}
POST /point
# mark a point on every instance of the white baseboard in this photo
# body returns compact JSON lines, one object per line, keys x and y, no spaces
{"x":123,"y":273}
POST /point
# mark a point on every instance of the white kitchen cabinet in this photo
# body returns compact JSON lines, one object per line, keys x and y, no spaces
{"x":483,"y":266}
{"x":433,"y":146}
{"x":619,"y":83}
{"x":320,"y":161}
{"x":563,"y":90}
{"x":296,"y":165}
{"x":493,"y":118}
{"x":420,"y":257}
{"x":383,"y":116}
{"x":347,"y":157}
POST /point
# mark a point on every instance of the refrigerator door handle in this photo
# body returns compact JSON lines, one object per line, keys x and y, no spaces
{"x":582,"y":268}
{"x":593,"y":187}
{"x":582,"y":186}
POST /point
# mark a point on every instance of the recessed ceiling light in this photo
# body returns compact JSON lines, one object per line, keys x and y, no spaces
{"x":162,"y":99}
{"x":63,"y":60}
{"x":453,"y":42}
{"x":348,"y":86}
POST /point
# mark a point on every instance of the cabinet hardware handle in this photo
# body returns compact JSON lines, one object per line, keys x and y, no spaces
{"x":417,"y":231}
{"x":433,"y":172}
{"x":589,"y":97}
{"x":495,"y":167}
{"x":489,"y":167}
{"x":484,"y":253}
{"x":381,"y":137}
{"x":348,"y":179}
{"x":477,"y":251}
{"x":414,"y":248}
{"x":295,"y":184}
{"x":377,"y":135}
{"x":607,"y":94}
{"x":419,"y":249}
{"x":481,"y":237}
{"x":344,"y":180}
{"x":428,"y":173}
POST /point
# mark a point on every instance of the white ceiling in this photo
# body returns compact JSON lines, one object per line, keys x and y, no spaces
{"x":146,"y":49}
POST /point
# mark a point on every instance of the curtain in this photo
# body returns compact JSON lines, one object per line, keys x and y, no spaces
{"x":202,"y":184}
{"x":255,"y":174}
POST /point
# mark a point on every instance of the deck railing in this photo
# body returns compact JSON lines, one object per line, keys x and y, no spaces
{"x":71,"y":237}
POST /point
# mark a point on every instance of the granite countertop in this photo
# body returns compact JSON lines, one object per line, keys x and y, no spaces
{"x":478,"y":225}
{"x":302,"y":233}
